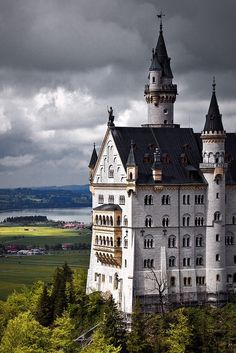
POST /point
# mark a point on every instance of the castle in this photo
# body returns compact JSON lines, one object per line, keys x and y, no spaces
{"x":164,"y":204}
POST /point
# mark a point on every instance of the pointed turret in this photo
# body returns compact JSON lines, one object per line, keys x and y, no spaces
{"x":160,"y":92}
{"x":93,"y":158}
{"x":131,"y":159}
{"x":213,"y":118}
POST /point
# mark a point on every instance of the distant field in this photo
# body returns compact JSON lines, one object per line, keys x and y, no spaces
{"x":16,"y":271}
{"x":39,"y":236}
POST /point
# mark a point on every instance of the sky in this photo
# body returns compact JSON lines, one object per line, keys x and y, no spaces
{"x":63,"y":62}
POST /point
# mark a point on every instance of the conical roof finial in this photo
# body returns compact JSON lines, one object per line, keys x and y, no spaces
{"x":214,"y":85}
{"x":160,"y":15}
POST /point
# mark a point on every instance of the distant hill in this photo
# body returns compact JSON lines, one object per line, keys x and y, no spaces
{"x":68,"y":196}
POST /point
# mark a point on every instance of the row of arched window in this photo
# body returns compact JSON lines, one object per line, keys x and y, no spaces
{"x":165,"y":199}
{"x":111,"y":199}
{"x":148,"y":263}
{"x":199,"y":221}
{"x":103,"y":220}
{"x":186,"y":241}
{"x":186,"y":261}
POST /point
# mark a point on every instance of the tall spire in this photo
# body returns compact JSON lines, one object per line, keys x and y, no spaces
{"x":93,"y":158}
{"x":213,"y":118}
{"x":131,"y":159}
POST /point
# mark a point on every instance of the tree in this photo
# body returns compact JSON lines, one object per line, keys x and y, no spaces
{"x":113,"y":327}
{"x":160,"y":285}
{"x":58,"y":296}
{"x":25,"y":334}
{"x":44,"y":312}
{"x":178,"y":336}
{"x":136,"y":340}
{"x":99,"y":344}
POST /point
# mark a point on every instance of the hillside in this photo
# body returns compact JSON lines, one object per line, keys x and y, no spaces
{"x":69,"y":196}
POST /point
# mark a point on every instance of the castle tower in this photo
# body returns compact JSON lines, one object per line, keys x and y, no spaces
{"x":160,"y":92}
{"x":213,"y":168}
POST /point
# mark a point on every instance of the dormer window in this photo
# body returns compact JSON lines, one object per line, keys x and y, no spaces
{"x":183,"y":159}
{"x":165,"y":158}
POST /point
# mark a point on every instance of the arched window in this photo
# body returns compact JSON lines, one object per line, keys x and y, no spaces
{"x":186,"y":261}
{"x":186,"y":220}
{"x":199,"y":241}
{"x":104,"y":220}
{"x":217,"y":257}
{"x":165,"y":200}
{"x":148,"y":200}
{"x":104,"y":241}
{"x":111,"y":221}
{"x":217,"y":216}
{"x":108,"y":241}
{"x":229,"y":239}
{"x":172,"y":261}
{"x":110,"y":172}
{"x":199,"y":221}
{"x":100,"y":240}
{"x":148,"y":221}
{"x":122,"y":200}
{"x":165,"y":221}
{"x":96,"y":239}
{"x":100,"y":220}
{"x":118,"y":242}
{"x":96,"y":219}
{"x":218,"y":278}
{"x":199,"y":261}
{"x":125,"y":221}
{"x":131,"y":176}
{"x":186,"y":241}
{"x":172,"y":241}
{"x":118,"y":221}
{"x":111,"y":241}
{"x":172,"y":281}
{"x":107,"y":220}
{"x":148,"y":242}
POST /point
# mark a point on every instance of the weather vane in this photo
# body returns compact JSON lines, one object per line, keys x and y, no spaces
{"x":160,"y":15}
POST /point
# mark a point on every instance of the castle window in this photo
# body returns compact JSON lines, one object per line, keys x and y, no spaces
{"x":217,"y":257}
{"x":218,"y":278}
{"x":172,"y":261}
{"x":165,"y":158}
{"x":186,"y":241}
{"x":234,"y":219}
{"x":187,"y":281}
{"x":131,"y":176}
{"x":148,"y":221}
{"x":108,"y":241}
{"x":104,"y":220}
{"x":153,"y":79}
{"x":234,"y":278}
{"x":234,"y":259}
{"x":118,"y":242}
{"x":186,"y":261}
{"x":199,"y":261}
{"x":111,"y":199}
{"x":186,"y":221}
{"x":217,"y":181}
{"x":126,"y":243}
{"x":217,"y":195}
{"x":125,"y":263}
{"x":111,"y":241}
{"x":111,"y":172}
{"x":148,"y":200}
{"x":199,"y":241}
{"x":229,"y":240}
{"x":165,"y":221}
{"x":165,"y":200}
{"x":172,"y":281}
{"x":148,"y":263}
{"x":122,"y":200}
{"x":118,"y":221}
{"x":100,"y":199}
{"x":217,"y":216}
{"x":199,"y":221}
{"x":125,"y":221}
{"x":200,"y":280}
{"x":172,"y":241}
{"x":148,"y":242}
{"x":186,"y":199}
{"x":217,"y":237}
{"x":199,"y":199}
{"x":103,"y":278}
{"x":96,"y":239}
{"x":100,"y":240}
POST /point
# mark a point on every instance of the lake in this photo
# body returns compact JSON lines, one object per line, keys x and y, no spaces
{"x":55,"y":214}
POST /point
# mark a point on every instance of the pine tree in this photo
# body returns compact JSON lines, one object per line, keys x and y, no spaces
{"x":44,"y":310}
{"x":113,"y":327}
{"x":58,"y":297}
{"x":136,"y":341}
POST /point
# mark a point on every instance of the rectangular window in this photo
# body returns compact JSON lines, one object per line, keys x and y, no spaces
{"x":217,"y":257}
{"x":122,"y":200}
{"x":103,"y":278}
{"x":100,"y":199}
{"x":111,"y":199}
{"x":125,"y":263}
{"x":217,"y":237}
{"x":110,"y":279}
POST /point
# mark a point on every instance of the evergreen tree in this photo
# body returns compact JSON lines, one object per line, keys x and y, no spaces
{"x":58,"y":296}
{"x":113,"y":327}
{"x":136,"y":341}
{"x":100,"y":345}
{"x":44,"y":311}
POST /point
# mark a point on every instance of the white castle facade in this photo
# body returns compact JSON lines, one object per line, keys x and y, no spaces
{"x":164,"y":204}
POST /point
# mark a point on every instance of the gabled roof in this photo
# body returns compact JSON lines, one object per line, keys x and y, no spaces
{"x":93,"y":158}
{"x":213,"y":118}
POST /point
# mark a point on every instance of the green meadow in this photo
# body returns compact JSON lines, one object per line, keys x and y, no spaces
{"x":17,"y":271}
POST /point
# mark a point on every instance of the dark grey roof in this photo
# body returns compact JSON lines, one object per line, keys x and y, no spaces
{"x":108,"y":207}
{"x":181,"y":145}
{"x":213,"y":117}
{"x":160,"y":60}
{"x":131,"y":158}
{"x":173,"y":142}
{"x":93,"y":158}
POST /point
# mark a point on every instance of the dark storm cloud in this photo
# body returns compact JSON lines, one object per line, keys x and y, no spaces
{"x":62,"y":63}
